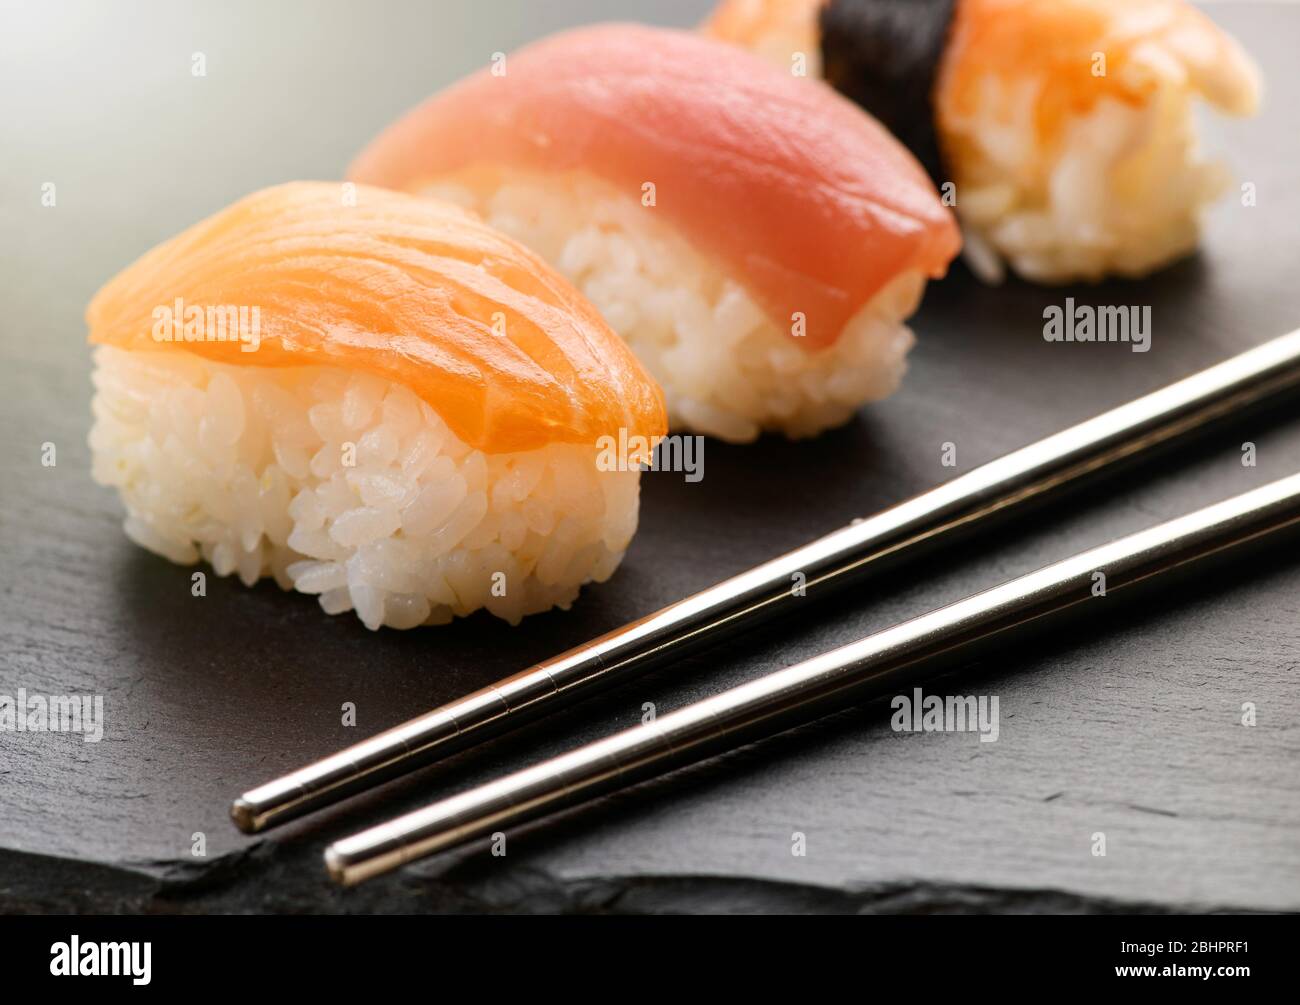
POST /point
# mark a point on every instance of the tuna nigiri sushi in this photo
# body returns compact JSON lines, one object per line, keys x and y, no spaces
{"x":757,"y":240}
{"x":1065,"y":126}
{"x":373,"y":398}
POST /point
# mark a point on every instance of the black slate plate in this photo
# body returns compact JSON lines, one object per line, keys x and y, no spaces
{"x":1131,"y":727}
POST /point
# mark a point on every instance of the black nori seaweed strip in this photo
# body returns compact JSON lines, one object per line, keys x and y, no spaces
{"x":884,"y":55}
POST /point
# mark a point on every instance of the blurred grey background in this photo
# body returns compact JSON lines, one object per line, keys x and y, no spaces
{"x":98,"y":97}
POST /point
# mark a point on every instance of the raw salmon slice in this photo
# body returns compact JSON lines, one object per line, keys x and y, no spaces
{"x":410,"y":290}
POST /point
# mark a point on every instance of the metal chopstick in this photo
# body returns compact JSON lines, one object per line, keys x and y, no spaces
{"x":807,"y":690}
{"x":901,"y":532}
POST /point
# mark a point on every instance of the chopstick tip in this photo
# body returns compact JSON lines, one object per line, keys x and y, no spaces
{"x":244,"y":816}
{"x":335,"y":867}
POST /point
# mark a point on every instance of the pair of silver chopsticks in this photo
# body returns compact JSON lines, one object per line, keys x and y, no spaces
{"x":870,"y":666}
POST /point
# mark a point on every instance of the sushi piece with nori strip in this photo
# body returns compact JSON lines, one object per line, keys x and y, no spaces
{"x":757,"y":241}
{"x":1065,"y":126}
{"x":372,"y":398}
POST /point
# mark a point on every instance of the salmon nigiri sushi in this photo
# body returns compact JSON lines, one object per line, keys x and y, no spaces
{"x":756,"y":239}
{"x":1064,"y":128}
{"x":373,"y":398}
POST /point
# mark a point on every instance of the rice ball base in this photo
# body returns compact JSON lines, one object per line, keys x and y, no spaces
{"x":351,"y":488}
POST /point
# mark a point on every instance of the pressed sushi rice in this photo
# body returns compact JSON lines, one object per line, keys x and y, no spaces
{"x":248,"y":469}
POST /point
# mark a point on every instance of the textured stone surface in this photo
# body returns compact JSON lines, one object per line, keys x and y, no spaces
{"x":1129,"y":725}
